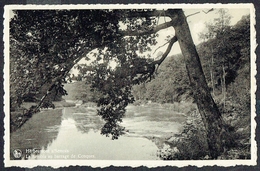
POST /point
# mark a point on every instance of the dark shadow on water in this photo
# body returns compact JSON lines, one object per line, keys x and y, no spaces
{"x":41,"y":130}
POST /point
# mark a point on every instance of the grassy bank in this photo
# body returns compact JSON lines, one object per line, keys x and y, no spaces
{"x":34,"y":134}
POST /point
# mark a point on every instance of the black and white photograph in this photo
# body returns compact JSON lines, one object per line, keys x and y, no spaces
{"x":129,"y":85}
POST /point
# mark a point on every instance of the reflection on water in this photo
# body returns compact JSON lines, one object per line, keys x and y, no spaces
{"x":87,"y":121}
{"x":79,"y":140}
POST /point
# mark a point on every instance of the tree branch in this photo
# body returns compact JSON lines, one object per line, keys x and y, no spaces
{"x":192,"y":14}
{"x":206,"y":12}
{"x":148,"y":69}
{"x":159,"y":61}
{"x":161,"y":46}
{"x":153,"y":13}
{"x":173,"y":14}
{"x":145,"y":32}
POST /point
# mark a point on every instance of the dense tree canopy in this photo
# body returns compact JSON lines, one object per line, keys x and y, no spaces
{"x":46,"y":44}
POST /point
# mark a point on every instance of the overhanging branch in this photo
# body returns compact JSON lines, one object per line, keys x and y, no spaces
{"x":173,"y":14}
{"x":146,"y":13}
{"x":148,"y":69}
{"x":172,"y":41}
{"x":145,"y":32}
{"x":161,"y":46}
{"x":193,"y":14}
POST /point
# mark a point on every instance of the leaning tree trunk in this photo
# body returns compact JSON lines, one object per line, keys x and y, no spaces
{"x":208,"y":109}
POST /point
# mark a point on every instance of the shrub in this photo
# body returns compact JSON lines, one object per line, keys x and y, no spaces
{"x":190,"y":144}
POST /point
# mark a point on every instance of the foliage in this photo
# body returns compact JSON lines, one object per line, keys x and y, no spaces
{"x":190,"y":144}
{"x":81,"y":89}
{"x":40,"y":51}
{"x":222,"y":58}
{"x":237,"y":69}
{"x":170,"y":83}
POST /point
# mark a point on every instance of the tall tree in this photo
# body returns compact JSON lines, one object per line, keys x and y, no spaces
{"x":54,"y":41}
{"x":218,"y":30}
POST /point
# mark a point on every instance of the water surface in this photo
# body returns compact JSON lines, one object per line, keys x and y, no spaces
{"x":79,"y":134}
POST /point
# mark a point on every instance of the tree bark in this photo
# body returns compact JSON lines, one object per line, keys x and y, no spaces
{"x":212,"y":72}
{"x":224,"y":87}
{"x":208,"y":109}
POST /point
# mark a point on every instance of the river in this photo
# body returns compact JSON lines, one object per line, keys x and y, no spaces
{"x":79,"y":134}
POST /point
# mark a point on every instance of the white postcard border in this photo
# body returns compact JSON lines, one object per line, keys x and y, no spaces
{"x":132,"y":163}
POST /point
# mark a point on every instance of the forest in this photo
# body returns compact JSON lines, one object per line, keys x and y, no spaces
{"x":214,"y":76}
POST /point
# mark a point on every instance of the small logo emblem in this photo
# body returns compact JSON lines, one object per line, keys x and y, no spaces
{"x":17,"y":153}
